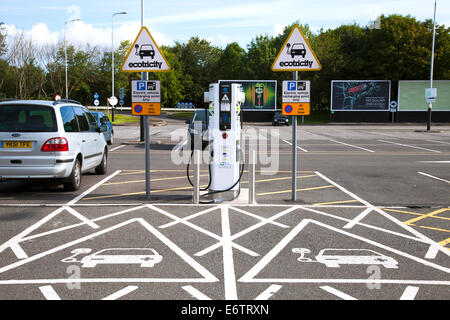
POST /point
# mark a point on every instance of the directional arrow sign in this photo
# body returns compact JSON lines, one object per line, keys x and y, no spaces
{"x":145,"y":55}
{"x":296,"y":54}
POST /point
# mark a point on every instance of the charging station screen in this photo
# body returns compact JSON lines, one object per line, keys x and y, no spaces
{"x":260,"y":95}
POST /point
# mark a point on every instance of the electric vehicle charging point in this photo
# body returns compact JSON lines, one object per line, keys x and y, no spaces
{"x":224,"y":135}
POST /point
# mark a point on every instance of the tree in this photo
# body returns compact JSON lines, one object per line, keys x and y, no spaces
{"x":231,"y":63}
{"x":2,"y":40}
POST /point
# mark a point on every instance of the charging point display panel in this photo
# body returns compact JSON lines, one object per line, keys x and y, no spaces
{"x":225,"y":107}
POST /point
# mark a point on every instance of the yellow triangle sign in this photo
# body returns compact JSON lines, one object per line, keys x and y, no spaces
{"x":296,"y":54}
{"x":145,"y":55}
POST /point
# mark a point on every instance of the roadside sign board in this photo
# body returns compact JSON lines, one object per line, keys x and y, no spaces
{"x":145,"y":55}
{"x":296,"y":109}
{"x":146,"y":97}
{"x":96,"y":96}
{"x":113,"y":100}
{"x":96,"y":102}
{"x":296,"y":54}
{"x":393,"y":106}
{"x":296,"y":98}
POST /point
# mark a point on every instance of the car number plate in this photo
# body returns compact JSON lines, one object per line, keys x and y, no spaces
{"x":16,"y":144}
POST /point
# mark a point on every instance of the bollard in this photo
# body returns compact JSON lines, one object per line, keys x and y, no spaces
{"x":196,"y":197}
{"x":251,"y":178}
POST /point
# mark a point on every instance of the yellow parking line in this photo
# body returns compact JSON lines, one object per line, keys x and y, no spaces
{"x":151,"y":180}
{"x":431,"y":228}
{"x":425,"y":216}
{"x":286,"y":191}
{"x":416,"y":214}
{"x":334,"y":202}
{"x":445,"y":242}
{"x":286,"y":178}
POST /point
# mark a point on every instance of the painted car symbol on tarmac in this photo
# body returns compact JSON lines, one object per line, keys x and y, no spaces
{"x":146,"y":257}
{"x":333,"y":258}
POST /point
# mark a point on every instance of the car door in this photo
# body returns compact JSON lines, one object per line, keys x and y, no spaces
{"x":89,"y":146}
{"x":97,"y":138}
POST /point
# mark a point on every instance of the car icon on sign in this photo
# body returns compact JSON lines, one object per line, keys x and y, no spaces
{"x":333,"y":258}
{"x":147,"y":258}
{"x":146,"y":50}
{"x":298,"y":49}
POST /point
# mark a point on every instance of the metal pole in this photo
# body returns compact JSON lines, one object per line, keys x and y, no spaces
{"x":196,"y":199}
{"x":252,"y":178}
{"x":141,"y":120}
{"x":430,"y":106}
{"x":294,"y":151}
{"x":144,"y":76}
{"x":112,"y":62}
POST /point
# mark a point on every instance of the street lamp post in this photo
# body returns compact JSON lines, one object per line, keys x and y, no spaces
{"x":430,"y":106}
{"x":65,"y":52}
{"x":112,"y":57}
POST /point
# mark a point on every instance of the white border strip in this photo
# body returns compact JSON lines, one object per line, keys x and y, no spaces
{"x":337,"y":293}
{"x":269,"y":292}
{"x":195,"y":293}
{"x":49,"y":293}
{"x":121,"y":293}
{"x":409,"y":293}
{"x":433,"y":177}
{"x":409,"y":146}
{"x":350,"y":145}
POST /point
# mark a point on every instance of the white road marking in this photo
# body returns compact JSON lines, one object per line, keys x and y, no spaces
{"x":409,"y":146}
{"x":49,"y":293}
{"x":433,"y":177}
{"x":358,"y":218}
{"x":198,"y":214}
{"x":18,"y":251}
{"x":300,"y":148}
{"x":208,"y":277}
{"x":95,"y":186}
{"x":204,"y":231}
{"x":432,"y":252}
{"x":269,"y":292}
{"x":82,"y":218}
{"x":79,"y":224}
{"x":409,"y":293}
{"x":17,"y":238}
{"x":121,"y":146}
{"x":438,"y":141}
{"x":119,"y":294}
{"x":195,"y":293}
{"x":338,"y":293}
{"x":250,"y":275}
{"x":260,"y":218}
{"x":228,"y":263}
{"x":245,"y":231}
{"x":350,"y":145}
{"x":388,"y":216}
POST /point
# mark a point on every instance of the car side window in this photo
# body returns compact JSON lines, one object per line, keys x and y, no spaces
{"x":93,"y":126}
{"x":82,"y":120}
{"x":68,"y":117}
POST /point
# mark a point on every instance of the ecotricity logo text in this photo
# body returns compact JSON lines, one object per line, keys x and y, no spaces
{"x":297,"y":63}
{"x":144,"y":64}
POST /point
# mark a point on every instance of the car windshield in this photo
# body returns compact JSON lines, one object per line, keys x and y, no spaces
{"x":95,"y":115}
{"x":27,"y":118}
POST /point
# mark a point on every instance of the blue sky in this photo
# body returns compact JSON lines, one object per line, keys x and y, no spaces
{"x":220,"y":22}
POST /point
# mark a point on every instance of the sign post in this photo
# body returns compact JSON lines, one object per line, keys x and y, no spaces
{"x":145,"y":56}
{"x":296,"y":55}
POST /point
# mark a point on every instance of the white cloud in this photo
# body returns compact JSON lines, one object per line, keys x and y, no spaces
{"x":81,"y":33}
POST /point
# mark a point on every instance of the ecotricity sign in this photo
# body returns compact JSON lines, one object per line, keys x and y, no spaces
{"x":296,"y":54}
{"x":144,"y":55}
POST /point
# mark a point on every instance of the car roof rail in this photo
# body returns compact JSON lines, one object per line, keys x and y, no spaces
{"x":65,"y":101}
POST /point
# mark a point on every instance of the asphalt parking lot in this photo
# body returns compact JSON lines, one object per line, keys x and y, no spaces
{"x":374,"y":198}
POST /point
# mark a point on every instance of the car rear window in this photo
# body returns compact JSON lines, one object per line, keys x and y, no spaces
{"x":27,"y":118}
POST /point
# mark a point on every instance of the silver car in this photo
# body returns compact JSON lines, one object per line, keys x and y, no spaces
{"x":50,"y":140}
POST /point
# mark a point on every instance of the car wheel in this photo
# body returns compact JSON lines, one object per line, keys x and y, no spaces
{"x":73,"y":182}
{"x":103,"y":166}
{"x":111,"y":139}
